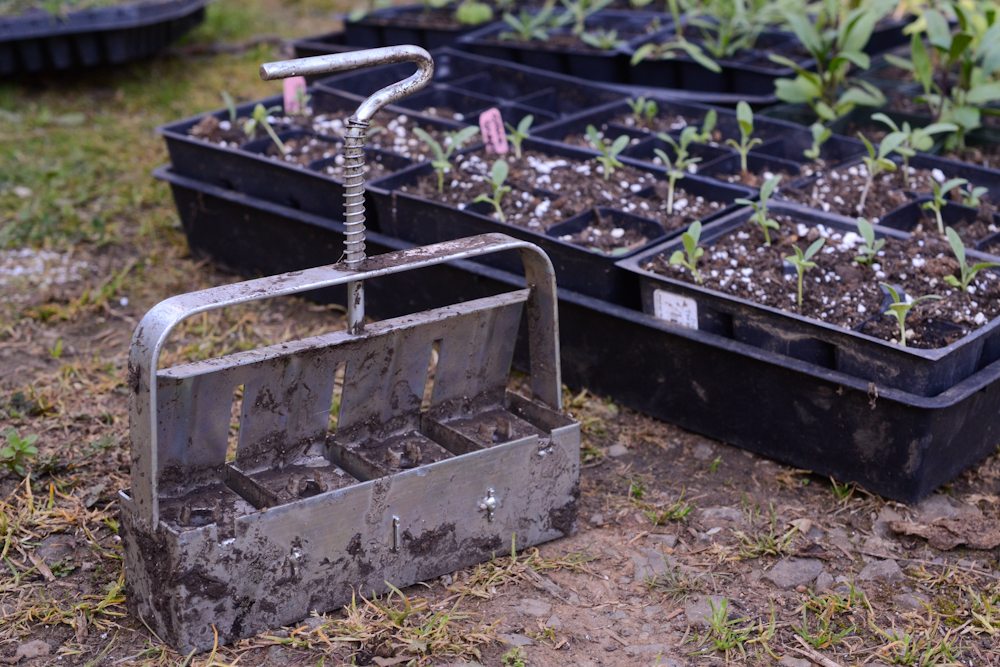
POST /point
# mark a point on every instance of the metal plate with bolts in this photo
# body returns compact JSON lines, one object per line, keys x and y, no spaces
{"x":422,"y":474}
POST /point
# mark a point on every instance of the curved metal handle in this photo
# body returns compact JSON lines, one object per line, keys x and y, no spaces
{"x":354,"y":140}
{"x":152,"y":332}
{"x":339,"y":62}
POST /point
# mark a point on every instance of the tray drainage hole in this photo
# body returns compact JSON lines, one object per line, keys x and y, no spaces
{"x":432,"y":363}
{"x":337,"y":398}
{"x":235,"y":417}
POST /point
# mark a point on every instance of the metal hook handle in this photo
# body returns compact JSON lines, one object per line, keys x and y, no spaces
{"x":354,"y":140}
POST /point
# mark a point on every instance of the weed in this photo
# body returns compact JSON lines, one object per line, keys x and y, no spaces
{"x":726,"y":634}
{"x":802,"y":261}
{"x":692,"y":252}
{"x":966,"y":273}
{"x":18,"y":452}
{"x":513,"y":658}
{"x":677,"y":510}
{"x":771,"y":541}
{"x":842,"y":492}
{"x":713,"y":465}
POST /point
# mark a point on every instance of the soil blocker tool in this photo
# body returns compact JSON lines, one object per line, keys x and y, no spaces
{"x":424,"y":472}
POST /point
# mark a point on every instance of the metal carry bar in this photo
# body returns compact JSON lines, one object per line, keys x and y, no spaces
{"x":354,"y":140}
{"x":156,"y":326}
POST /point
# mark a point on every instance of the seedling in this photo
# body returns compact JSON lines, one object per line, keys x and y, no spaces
{"x":472,"y":12}
{"x":957,"y":68}
{"x":967,"y":273}
{"x":877,"y":162}
{"x":603,"y":40}
{"x":688,"y":258}
{"x":498,"y":188}
{"x":227,"y":99}
{"x":259,"y":120}
{"x":442,"y":154}
{"x":744,"y":119}
{"x":669,"y":50}
{"x":820,"y":134}
{"x":578,"y":11}
{"x":868,"y":252}
{"x":973,"y":195}
{"x":516,"y":135}
{"x":528,"y":26}
{"x":681,"y":163}
{"x":760,"y":212}
{"x":18,"y":452}
{"x":704,"y":134}
{"x":644,"y":110}
{"x":901,"y":307}
{"x":836,"y":41}
{"x":802,"y":261}
{"x":609,"y":150}
{"x":727,"y":27}
{"x":939,"y":198}
{"x":913,"y":139}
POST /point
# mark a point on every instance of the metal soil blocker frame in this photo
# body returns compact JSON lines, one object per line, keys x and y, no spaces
{"x":423,"y":473}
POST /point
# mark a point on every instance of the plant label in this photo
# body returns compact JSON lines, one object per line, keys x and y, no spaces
{"x":295,"y":89}
{"x":675,"y":309}
{"x":491,"y":127}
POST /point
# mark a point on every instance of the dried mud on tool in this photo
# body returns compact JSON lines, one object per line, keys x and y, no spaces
{"x":424,"y":473}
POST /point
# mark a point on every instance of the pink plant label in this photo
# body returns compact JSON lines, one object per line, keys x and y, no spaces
{"x":295,"y":88}
{"x":491,"y":126}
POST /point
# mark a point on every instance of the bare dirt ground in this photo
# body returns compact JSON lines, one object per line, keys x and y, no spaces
{"x":689,"y":552}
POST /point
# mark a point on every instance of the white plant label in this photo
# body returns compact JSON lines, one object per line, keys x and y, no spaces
{"x":675,"y":309}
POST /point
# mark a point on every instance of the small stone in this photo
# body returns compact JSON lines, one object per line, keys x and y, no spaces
{"x":824,"y":582}
{"x":715,"y":516}
{"x":648,"y":563}
{"x":597,"y":519}
{"x":791,"y":572}
{"x":704,"y":451}
{"x":910,"y":601}
{"x":942,"y":507}
{"x":33,"y":649}
{"x":615,"y":451}
{"x":515,"y":639}
{"x":554,"y":622}
{"x":882,"y":570}
{"x":698,"y":610}
{"x":666,"y":539}
{"x":789,"y":661}
{"x":534,"y":607}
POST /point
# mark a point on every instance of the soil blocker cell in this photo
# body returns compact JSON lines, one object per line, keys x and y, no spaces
{"x":843,"y":326}
{"x":894,"y":443}
{"x":38,"y":41}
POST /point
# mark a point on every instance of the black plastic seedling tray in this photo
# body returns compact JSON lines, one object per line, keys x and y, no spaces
{"x":38,"y":41}
{"x":507,"y":83}
{"x":892,"y":442}
{"x":590,"y":64}
{"x":925,"y":372}
{"x":249,"y":170}
{"x":421,"y":221}
{"x":401,"y":25}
